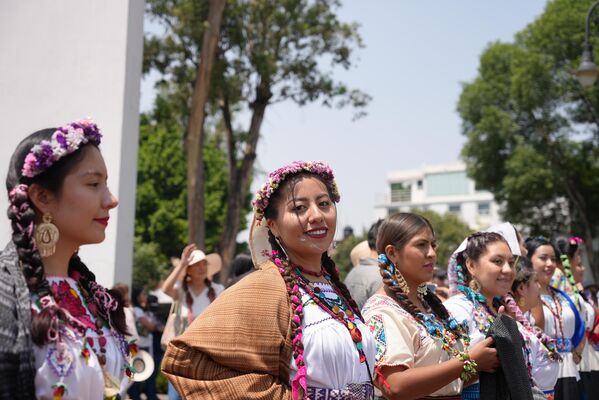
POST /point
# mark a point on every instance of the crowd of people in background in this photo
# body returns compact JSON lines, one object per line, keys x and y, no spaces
{"x":509,"y":317}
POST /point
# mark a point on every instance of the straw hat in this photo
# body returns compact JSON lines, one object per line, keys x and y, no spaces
{"x":143,"y":363}
{"x":215,"y":263}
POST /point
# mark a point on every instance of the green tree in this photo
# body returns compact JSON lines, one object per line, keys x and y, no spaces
{"x":161,"y":213}
{"x":269,"y":51}
{"x":450,"y":231}
{"x":342,"y":251}
{"x":149,"y":264}
{"x":531,"y":129}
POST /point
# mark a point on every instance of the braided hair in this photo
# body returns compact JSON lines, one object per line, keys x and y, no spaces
{"x":22,"y":215}
{"x":397,"y":230}
{"x":282,"y":262}
{"x":566,"y":249}
{"x":189,"y":298}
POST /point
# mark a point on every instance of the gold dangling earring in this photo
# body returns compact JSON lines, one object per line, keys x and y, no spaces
{"x":474,"y":285}
{"x":422,"y":289}
{"x":46,"y":236}
{"x":521,"y":302}
{"x":401,"y":282}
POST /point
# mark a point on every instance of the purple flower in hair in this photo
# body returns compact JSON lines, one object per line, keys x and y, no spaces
{"x":65,"y":140}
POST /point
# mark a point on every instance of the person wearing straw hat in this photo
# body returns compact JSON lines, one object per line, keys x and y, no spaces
{"x":191,"y":284}
{"x":290,"y":330}
{"x":191,"y":281}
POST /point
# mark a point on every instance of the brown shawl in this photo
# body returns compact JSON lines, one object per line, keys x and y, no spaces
{"x":239,"y":347}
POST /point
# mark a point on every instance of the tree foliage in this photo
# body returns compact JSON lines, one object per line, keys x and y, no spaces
{"x":450,"y":231}
{"x":269,"y":51}
{"x":161,"y":215}
{"x":532,"y":131}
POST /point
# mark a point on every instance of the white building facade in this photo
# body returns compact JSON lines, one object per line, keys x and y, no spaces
{"x":440,"y":188}
{"x":63,"y":60}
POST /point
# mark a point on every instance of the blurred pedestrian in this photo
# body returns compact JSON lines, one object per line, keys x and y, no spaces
{"x":365,"y":278}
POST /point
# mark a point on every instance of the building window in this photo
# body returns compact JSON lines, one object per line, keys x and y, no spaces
{"x":455,"y":208}
{"x":447,"y":184}
{"x":419,"y":184}
{"x":484,"y":208}
{"x":400,"y":193}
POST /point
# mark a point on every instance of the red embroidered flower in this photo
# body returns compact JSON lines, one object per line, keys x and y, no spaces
{"x":67,"y":298}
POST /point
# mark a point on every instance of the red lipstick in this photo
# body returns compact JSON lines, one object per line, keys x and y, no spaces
{"x":103,"y":221}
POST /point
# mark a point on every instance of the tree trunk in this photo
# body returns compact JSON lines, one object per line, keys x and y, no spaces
{"x":239,"y":179}
{"x":195,"y":128}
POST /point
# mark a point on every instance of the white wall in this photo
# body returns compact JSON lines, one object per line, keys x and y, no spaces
{"x":67,"y":59}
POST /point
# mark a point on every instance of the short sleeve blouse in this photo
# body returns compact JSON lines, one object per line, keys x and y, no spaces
{"x":402,"y":341}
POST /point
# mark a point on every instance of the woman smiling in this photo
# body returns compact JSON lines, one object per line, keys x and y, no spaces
{"x":291,"y":329}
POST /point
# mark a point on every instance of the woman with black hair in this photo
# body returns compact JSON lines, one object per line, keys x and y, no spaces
{"x":571,"y":283}
{"x":289,"y":330}
{"x":557,"y":316}
{"x":421,"y":350}
{"x":59,"y":200}
{"x":541,"y":353}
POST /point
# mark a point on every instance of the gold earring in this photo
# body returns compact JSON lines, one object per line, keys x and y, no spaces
{"x":521,"y":302}
{"x":474,"y":285}
{"x":401,"y":282}
{"x":46,"y":236}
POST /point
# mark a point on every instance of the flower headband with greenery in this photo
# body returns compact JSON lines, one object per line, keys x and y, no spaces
{"x":275,"y":178}
{"x":65,"y":140}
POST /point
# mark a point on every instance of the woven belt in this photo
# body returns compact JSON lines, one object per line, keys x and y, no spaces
{"x":354,"y":391}
{"x":471,"y":392}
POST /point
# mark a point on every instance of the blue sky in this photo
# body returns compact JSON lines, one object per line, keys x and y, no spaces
{"x":417,"y":53}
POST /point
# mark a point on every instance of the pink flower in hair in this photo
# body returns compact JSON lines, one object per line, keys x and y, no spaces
{"x":277,"y":177}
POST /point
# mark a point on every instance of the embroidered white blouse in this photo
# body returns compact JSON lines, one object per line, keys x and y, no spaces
{"x":83,"y":379}
{"x":556,"y":326}
{"x":402,"y":340}
{"x":330,"y":354}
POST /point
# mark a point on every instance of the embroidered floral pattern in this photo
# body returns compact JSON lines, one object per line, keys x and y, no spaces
{"x":66,"y":297}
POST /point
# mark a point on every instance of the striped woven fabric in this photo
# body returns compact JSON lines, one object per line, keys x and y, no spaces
{"x":17,"y":366}
{"x":239,"y":347}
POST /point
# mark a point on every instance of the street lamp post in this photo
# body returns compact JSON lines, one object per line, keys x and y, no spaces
{"x":588,"y":71}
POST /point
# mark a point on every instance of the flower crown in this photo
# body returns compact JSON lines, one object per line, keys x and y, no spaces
{"x":65,"y":140}
{"x":275,"y":179}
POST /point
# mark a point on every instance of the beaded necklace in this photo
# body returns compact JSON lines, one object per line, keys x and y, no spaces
{"x":60,"y":358}
{"x":338,"y":309}
{"x":483,"y":316}
{"x":557,"y":315}
{"x":448,"y":332}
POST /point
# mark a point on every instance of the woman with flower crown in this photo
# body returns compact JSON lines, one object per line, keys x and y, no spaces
{"x":421,"y":350}
{"x":290,"y":330}
{"x":59,"y":201}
